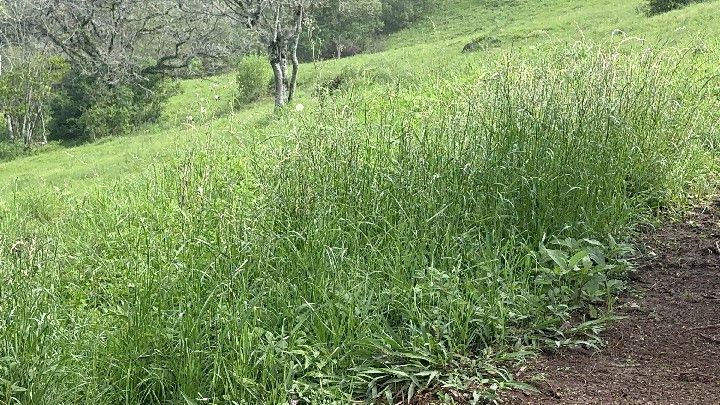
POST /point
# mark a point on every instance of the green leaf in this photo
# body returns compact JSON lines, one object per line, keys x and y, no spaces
{"x":188,"y":400}
{"x":577,"y":258}
{"x":558,"y":257}
{"x":17,"y":388}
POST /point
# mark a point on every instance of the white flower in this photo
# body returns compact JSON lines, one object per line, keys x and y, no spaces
{"x":299,"y":107}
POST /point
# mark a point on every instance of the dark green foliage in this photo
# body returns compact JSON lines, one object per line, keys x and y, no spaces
{"x":398,"y":14}
{"x":347,"y":78}
{"x":663,"y":6}
{"x":13,"y":150}
{"x":88,"y":108}
{"x":355,"y":77}
{"x":10,"y":151}
{"x":345,"y":28}
{"x":349,"y":27}
{"x":252,"y":79}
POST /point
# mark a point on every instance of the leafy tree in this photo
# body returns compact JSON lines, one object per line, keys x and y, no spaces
{"x":276,"y":25}
{"x":347,"y":25}
{"x":398,"y":14}
{"x":26,"y":92}
{"x":27,"y":73}
{"x":120,"y":52}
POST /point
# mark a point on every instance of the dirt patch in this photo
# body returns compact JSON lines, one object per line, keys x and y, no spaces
{"x":667,"y":350}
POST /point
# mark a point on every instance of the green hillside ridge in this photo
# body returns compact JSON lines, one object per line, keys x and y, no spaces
{"x":424,"y":228}
{"x":520,"y":25}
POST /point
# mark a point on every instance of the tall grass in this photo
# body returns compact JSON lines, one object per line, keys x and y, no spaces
{"x":403,"y":236}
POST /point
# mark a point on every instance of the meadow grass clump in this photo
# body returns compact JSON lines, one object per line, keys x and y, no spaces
{"x":430,"y":201}
{"x":402,"y":237}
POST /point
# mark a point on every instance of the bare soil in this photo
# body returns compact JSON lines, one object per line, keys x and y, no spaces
{"x":667,"y":349}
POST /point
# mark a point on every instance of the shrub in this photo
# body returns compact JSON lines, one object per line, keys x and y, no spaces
{"x":110,"y":115}
{"x":88,"y":109}
{"x":10,"y":151}
{"x":481,"y":44}
{"x":352,"y":76}
{"x":348,"y":77}
{"x":252,"y":78}
{"x":663,"y":6}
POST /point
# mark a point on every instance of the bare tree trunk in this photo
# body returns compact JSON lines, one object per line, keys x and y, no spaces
{"x":10,"y":128}
{"x":24,"y":131}
{"x":295,"y":63}
{"x":44,"y":127}
{"x":279,"y":83}
{"x":284,"y":68}
{"x":277,"y":61}
{"x":27,"y":119}
{"x":27,"y":131}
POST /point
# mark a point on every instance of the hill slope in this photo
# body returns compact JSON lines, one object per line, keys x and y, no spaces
{"x":519,"y":25}
{"x":415,"y":231}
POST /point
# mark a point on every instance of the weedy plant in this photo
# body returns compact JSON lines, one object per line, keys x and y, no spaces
{"x":403,"y":238}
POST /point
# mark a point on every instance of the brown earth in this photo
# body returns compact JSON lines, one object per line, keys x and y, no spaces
{"x":667,"y":350}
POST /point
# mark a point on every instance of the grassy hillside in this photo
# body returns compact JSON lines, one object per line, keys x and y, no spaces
{"x":437,"y":218}
{"x":521,"y":26}
{"x":524,"y":21}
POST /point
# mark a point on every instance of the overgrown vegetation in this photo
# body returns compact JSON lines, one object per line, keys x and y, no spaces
{"x":88,"y":109}
{"x":427,"y":221}
{"x":401,"y":238}
{"x":120,"y":54}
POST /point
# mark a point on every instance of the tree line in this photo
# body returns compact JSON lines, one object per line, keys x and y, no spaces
{"x":84,"y":69}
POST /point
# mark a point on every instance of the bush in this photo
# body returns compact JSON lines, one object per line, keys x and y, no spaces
{"x":481,"y":44}
{"x":348,"y":77}
{"x":88,"y":109}
{"x":252,"y":78}
{"x":663,"y":6}
{"x":111,"y":114}
{"x":10,"y":151}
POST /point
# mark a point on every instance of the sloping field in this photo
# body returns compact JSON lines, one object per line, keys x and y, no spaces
{"x":425,"y":223}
